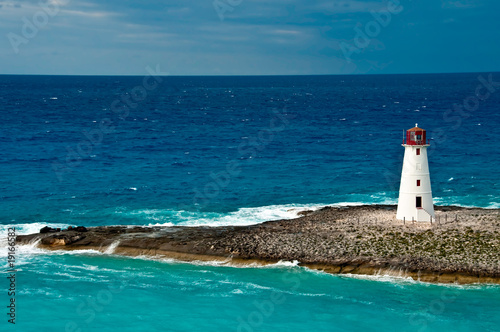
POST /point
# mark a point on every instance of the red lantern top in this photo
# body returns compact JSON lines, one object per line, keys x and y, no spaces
{"x":415,"y":136}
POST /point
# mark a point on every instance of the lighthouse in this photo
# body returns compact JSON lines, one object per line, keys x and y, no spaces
{"x":415,"y":195}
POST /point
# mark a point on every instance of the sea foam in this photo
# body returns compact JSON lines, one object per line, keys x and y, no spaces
{"x":241,"y":217}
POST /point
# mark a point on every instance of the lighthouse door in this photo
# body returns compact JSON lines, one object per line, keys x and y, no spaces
{"x":419,"y":202}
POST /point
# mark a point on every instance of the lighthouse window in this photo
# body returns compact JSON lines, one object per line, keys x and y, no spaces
{"x":418,"y":152}
{"x":418,"y":183}
{"x":419,"y":202}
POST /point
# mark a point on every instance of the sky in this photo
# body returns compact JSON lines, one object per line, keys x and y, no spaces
{"x":248,"y":37}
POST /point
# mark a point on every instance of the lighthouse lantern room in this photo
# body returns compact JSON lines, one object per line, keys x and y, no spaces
{"x":415,"y":194}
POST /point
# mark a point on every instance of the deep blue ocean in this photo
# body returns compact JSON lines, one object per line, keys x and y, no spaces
{"x":233,"y":151}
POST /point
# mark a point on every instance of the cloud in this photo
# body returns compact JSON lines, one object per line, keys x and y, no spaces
{"x":344,"y":6}
{"x":256,"y":36}
{"x":89,"y":14}
{"x":460,"y":3}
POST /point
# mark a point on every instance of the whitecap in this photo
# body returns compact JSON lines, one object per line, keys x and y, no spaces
{"x":243,"y":216}
{"x":31,"y":228}
{"x":166,"y":224}
{"x":286,"y":263}
{"x":381,"y":277}
{"x":493,"y":206}
{"x":111,"y":248}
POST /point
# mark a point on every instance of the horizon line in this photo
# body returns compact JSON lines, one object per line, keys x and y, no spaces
{"x":256,"y":75}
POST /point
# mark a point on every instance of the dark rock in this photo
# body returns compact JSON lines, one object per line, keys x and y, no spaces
{"x":53,"y":241}
{"x":81,"y":229}
{"x":48,"y":229}
{"x":74,"y":239}
{"x":305,"y":213}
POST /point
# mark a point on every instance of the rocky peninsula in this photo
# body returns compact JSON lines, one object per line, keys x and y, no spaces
{"x":461,"y":246}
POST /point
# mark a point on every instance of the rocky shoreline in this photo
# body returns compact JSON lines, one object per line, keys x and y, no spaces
{"x":461,"y":246}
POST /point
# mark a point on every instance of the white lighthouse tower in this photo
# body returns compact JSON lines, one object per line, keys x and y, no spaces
{"x":415,"y":195}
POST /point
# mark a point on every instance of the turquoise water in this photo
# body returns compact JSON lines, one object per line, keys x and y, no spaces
{"x":293,"y":143}
{"x":93,"y":291}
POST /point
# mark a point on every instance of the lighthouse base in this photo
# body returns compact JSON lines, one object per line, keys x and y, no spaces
{"x":418,"y":214}
{"x":416,"y":207}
